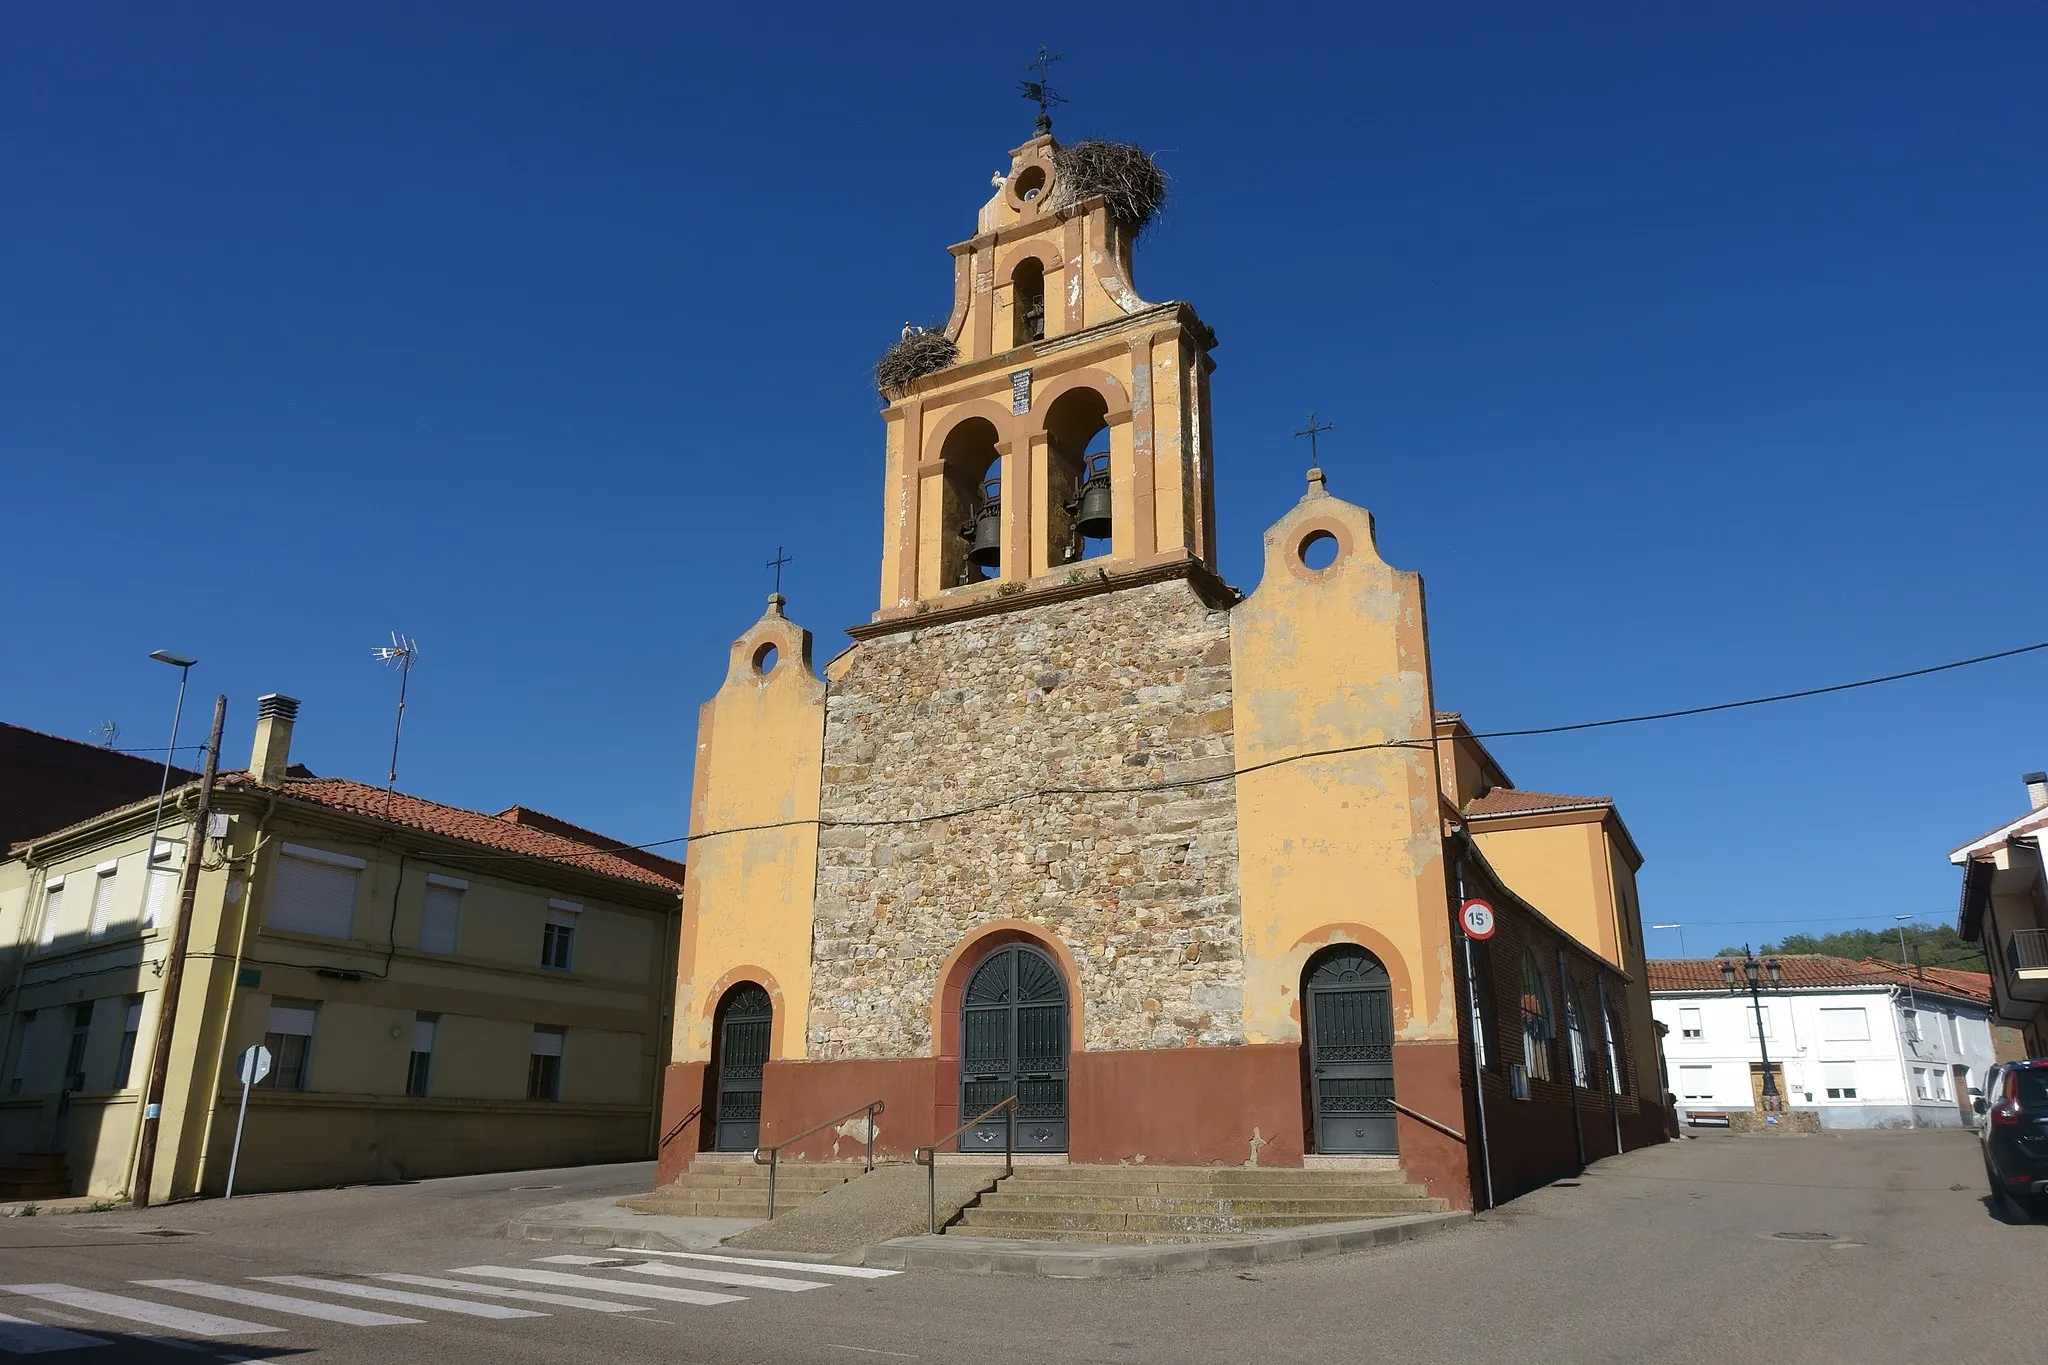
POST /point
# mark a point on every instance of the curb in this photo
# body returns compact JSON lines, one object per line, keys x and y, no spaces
{"x":1081,"y":1261}
{"x":591,"y":1235}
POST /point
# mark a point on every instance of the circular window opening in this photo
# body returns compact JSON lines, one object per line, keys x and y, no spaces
{"x":764,"y":660}
{"x":1318,"y":550}
{"x":1030,"y":183}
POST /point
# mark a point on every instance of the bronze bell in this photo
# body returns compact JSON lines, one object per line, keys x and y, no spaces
{"x":984,"y":534}
{"x":1092,"y":501}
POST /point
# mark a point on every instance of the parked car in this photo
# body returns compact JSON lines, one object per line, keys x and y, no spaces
{"x":2015,"y":1134}
{"x":1980,"y":1100}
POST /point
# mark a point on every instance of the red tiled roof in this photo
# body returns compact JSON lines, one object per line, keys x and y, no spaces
{"x":1810,"y":970}
{"x":456,"y":823}
{"x":1512,"y":801}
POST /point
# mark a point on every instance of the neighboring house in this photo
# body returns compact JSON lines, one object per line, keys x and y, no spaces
{"x":2005,"y":908}
{"x":1864,"y":1044}
{"x":441,"y":990}
{"x":47,"y":783}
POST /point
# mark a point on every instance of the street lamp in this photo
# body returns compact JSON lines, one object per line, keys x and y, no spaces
{"x":184,"y":666}
{"x":1681,"y":935}
{"x":1751,"y":971}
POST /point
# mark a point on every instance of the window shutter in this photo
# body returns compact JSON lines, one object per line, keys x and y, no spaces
{"x":440,"y":917}
{"x":547,"y":1042}
{"x":133,"y":1023}
{"x":1844,"y":1025}
{"x":53,"y":913}
{"x":422,"y":1035}
{"x":308,"y":897}
{"x":292,"y":1019}
{"x":162,"y":882}
{"x":102,"y":902}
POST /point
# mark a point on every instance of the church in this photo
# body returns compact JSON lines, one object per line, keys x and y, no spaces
{"x":1177,"y":867}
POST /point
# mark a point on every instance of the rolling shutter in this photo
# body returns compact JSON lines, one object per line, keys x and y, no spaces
{"x":440,"y":917}
{"x":102,"y":901}
{"x":313,"y":893}
{"x":53,"y":912}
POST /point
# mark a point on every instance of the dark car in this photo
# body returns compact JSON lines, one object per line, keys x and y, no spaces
{"x":2015,"y":1133}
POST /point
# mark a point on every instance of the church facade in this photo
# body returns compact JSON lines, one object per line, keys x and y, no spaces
{"x":1074,"y":821}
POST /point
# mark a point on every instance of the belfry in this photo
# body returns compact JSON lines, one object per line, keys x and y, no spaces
{"x":1075,"y":823}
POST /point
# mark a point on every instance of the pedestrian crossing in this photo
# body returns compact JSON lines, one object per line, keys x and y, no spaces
{"x":186,"y":1309}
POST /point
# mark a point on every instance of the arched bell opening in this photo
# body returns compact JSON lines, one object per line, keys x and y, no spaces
{"x":971,"y":546}
{"x":1027,"y":302}
{"x":1082,"y":514}
{"x":740,"y":1033}
{"x":1348,"y":1019}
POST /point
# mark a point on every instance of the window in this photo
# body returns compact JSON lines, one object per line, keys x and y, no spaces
{"x":422,"y":1053}
{"x":313,"y":891}
{"x":558,"y":939}
{"x":163,"y":885}
{"x":1611,"y":1019}
{"x":1689,"y":1022}
{"x":289,"y":1036}
{"x":441,"y":913}
{"x":1749,"y":1020}
{"x":1909,"y":1020}
{"x":544,"y":1070}
{"x":1849,"y":1024}
{"x":1575,"y":1035}
{"x":1537,"y":1030}
{"x":1481,"y":991}
{"x":81,"y":1034}
{"x":1696,"y":1082}
{"x":103,"y":898}
{"x":1921,"y":1089}
{"x":1027,"y":302}
{"x":24,"y":1048}
{"x":53,"y":910}
{"x":131,"y":1027}
{"x":1838,"y":1079}
{"x":1941,"y":1090}
{"x":1953,"y":1023}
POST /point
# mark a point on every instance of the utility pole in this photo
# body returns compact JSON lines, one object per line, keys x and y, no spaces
{"x":174,"y":970}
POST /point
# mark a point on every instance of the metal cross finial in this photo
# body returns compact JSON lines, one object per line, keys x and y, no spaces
{"x":1312,"y":431}
{"x":776,"y":564}
{"x":1040,"y":91}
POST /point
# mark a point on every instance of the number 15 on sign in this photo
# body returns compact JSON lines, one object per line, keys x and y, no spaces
{"x":1477,"y":917}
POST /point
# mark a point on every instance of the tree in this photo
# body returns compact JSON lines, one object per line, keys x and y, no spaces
{"x":1929,"y":945}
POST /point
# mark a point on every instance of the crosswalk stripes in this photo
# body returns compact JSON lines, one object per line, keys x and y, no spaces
{"x":281,"y":1303}
{"x":507,"y":1292}
{"x":21,"y":1337}
{"x":736,"y":1278}
{"x":185,"y":1320}
{"x":851,"y":1272}
{"x":670,"y":1293}
{"x":378,"y":1293}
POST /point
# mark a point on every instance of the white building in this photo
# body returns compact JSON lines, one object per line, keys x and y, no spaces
{"x":1864,"y":1044}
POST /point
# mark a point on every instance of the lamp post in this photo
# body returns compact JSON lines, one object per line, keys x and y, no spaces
{"x":184,"y":667}
{"x":1752,"y":970}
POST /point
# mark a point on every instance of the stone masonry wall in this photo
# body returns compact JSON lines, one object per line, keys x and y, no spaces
{"x":1126,"y":689}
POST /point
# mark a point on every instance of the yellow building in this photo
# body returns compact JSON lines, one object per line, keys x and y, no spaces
{"x":1075,"y":821}
{"x":442,"y":991}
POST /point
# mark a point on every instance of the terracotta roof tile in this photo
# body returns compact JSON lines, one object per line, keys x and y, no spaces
{"x":1811,"y":970}
{"x":1512,"y":801}
{"x":456,"y":823}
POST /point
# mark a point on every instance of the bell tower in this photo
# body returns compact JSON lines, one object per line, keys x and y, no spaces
{"x":1056,"y":428}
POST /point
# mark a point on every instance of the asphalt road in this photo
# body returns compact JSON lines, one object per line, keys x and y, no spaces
{"x":1666,"y":1255}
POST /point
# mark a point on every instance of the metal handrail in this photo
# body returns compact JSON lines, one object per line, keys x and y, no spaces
{"x":928,"y":1157}
{"x":1443,"y":1128}
{"x":2027,"y":949}
{"x":770,"y":1156}
{"x":681,"y":1123}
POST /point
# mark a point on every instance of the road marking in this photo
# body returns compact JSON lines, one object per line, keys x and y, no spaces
{"x":24,"y":1337}
{"x":140,"y":1310}
{"x":870,"y":1350}
{"x":856,"y":1272}
{"x":526,"y":1295}
{"x":351,"y":1289}
{"x":626,"y":1287}
{"x":683,"y":1272}
{"x":280,"y":1303}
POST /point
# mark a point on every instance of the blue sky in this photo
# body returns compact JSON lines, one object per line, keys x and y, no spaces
{"x":1688,"y":354}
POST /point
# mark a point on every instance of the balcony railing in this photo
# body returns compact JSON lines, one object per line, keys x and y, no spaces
{"x":2027,"y":951}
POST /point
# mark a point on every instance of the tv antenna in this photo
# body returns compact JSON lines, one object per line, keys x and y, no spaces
{"x":108,"y":731}
{"x":402,"y":653}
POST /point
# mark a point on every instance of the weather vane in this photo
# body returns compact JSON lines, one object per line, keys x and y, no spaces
{"x":1313,"y":430}
{"x":1040,"y":91}
{"x":781,"y":558}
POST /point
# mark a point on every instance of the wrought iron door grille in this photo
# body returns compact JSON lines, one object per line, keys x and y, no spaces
{"x":1013,"y":1042}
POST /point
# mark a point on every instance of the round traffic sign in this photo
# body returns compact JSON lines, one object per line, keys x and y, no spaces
{"x":1477,"y":917}
{"x":254,"y":1064}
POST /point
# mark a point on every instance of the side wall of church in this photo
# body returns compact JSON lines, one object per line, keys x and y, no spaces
{"x":1135,"y":891}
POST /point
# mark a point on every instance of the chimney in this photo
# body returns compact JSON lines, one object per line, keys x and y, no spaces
{"x":273,"y":752}
{"x":2037,"y":790}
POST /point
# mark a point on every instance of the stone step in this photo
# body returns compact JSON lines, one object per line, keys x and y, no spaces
{"x":1209,"y":1175}
{"x":38,"y":1161}
{"x":12,"y":1190}
{"x":1205,"y":1189}
{"x":1407,"y":1199}
{"x":1052,"y":1223}
{"x":1104,"y":1238}
{"x":746,"y":1177}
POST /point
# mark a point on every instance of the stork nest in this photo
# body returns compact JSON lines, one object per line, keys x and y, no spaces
{"x":923,"y":352}
{"x":1125,"y":175}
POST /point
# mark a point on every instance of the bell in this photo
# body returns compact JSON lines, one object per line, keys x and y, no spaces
{"x":1092,"y":511}
{"x":984,"y":534}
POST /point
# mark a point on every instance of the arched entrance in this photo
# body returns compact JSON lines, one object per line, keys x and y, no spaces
{"x":1350,"y":1027}
{"x":745,"y":1017}
{"x":1013,"y":1041}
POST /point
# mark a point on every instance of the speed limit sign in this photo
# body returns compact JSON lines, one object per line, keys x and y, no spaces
{"x":1477,"y":917}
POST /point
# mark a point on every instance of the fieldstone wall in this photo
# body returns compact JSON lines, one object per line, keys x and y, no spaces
{"x":1127,"y":689}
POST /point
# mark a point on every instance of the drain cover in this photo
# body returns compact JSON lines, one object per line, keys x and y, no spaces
{"x":163,"y":1232}
{"x":533,"y":1187}
{"x":1803,"y":1236}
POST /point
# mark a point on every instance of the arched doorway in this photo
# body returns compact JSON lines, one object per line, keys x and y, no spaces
{"x":1349,"y":1021}
{"x":745,"y":1017}
{"x":1013,"y":1041}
